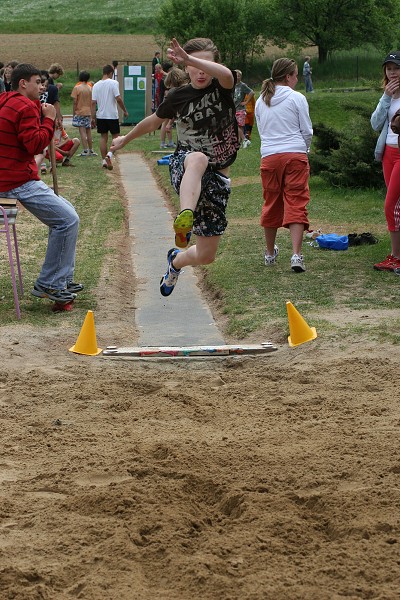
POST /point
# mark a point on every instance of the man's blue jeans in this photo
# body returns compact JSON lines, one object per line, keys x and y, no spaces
{"x":63,"y":223}
{"x":308,"y":82}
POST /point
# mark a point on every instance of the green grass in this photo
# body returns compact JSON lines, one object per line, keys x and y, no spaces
{"x":113,"y":16}
{"x":331,"y":108}
{"x":251,"y":296}
{"x":357,"y":68}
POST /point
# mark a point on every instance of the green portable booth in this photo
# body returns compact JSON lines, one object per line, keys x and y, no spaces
{"x":135,"y":85}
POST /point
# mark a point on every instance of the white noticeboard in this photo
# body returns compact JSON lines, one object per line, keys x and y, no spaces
{"x":128,"y":83}
{"x":135,"y":70}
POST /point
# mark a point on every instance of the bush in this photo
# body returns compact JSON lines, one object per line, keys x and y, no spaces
{"x":346,"y":158}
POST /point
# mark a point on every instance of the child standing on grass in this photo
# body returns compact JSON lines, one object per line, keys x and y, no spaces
{"x":106,"y":98}
{"x":82,"y":112}
{"x":242,"y":95}
{"x":208,"y":142}
{"x":249,"y":123}
{"x":176,"y":77}
{"x":285,"y":129}
{"x":388,"y":152}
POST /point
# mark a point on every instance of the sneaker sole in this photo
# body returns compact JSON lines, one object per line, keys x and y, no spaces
{"x":298,"y":269}
{"x":73,"y":289}
{"x":385,"y":268}
{"x":182,"y":226}
{"x":40,"y":294}
{"x":109,"y":163}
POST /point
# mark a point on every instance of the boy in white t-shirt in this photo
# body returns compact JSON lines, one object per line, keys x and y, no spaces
{"x":106,"y":98}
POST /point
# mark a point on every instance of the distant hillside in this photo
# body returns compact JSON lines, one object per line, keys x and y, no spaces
{"x":78,"y":16}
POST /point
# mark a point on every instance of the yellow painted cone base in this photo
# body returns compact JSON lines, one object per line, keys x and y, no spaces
{"x":86,"y":342}
{"x":300,"y":332}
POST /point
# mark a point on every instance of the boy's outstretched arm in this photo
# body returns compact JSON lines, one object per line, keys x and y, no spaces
{"x":178,"y":56}
{"x":149,"y":124}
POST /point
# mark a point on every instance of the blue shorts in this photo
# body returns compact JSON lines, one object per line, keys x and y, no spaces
{"x":80,"y":121}
{"x":209,"y":215}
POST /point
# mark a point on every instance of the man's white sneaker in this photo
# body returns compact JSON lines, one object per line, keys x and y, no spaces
{"x":246,"y":143}
{"x":270,"y":260}
{"x":297,"y":263}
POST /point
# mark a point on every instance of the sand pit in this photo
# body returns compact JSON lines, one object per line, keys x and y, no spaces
{"x":239,"y":478}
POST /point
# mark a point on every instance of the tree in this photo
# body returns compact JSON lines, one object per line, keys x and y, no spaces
{"x":333,"y":24}
{"x":346,"y":158}
{"x":237,"y":27}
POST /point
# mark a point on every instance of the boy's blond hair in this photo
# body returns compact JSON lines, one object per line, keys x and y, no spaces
{"x":176,"y":78}
{"x":56,"y":68}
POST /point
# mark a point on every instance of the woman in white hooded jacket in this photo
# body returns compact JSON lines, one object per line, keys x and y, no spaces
{"x":387,"y":150}
{"x":285,"y":130}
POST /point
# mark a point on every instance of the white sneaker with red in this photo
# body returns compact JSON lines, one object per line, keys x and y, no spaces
{"x":269,"y":259}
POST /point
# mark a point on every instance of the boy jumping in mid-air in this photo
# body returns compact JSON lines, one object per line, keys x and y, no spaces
{"x":208,"y":141}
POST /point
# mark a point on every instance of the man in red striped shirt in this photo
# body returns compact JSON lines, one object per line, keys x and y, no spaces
{"x":22,"y":135}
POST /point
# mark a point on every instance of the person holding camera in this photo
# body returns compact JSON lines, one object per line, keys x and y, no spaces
{"x":387,"y":151}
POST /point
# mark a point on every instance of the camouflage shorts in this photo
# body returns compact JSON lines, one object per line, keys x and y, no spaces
{"x":209,"y":216}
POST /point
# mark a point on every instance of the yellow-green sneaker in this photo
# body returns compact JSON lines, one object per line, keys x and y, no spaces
{"x":183,"y":228}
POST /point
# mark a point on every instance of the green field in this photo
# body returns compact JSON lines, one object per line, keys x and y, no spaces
{"x":114,"y":16}
{"x":248,"y":294}
{"x":355,"y":68}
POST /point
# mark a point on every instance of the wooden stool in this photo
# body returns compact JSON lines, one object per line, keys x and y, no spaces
{"x":8,"y":215}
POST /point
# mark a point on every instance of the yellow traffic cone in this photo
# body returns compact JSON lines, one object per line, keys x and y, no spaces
{"x":86,"y":342}
{"x":300,"y":332}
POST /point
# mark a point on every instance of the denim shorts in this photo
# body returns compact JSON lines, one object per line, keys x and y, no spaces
{"x":209,"y":216}
{"x":80,"y":121}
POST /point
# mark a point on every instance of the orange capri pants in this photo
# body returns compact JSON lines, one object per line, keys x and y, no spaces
{"x":285,"y":189}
